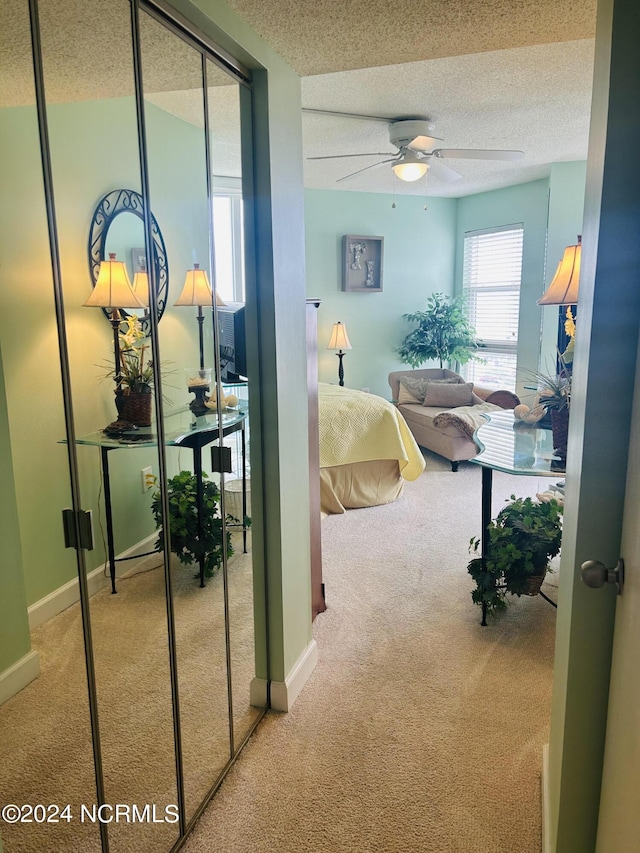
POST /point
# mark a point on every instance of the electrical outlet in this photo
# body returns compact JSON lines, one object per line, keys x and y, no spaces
{"x":148,"y":479}
{"x":366,"y":390}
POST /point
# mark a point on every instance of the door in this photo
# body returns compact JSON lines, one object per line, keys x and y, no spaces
{"x":619,"y":821}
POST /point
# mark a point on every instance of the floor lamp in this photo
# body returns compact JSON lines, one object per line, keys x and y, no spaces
{"x":339,"y":341}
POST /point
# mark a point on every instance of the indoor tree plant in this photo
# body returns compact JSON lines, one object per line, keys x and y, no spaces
{"x":191,"y":540}
{"x":443,"y":333}
{"x":525,"y":535}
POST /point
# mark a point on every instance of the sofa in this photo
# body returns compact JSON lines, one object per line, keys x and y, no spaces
{"x":444,"y":417}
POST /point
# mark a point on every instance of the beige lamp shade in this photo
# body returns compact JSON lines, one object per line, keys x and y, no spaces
{"x":141,"y":287}
{"x":339,"y":338}
{"x":113,"y":287}
{"x":197,"y":290}
{"x":411,"y":167}
{"x":563,"y":289}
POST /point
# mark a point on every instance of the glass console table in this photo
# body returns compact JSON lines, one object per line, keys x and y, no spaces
{"x":512,"y":447}
{"x":182,"y":429}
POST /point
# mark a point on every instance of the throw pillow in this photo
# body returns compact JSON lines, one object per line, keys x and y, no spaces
{"x":449,"y":395}
{"x":412,"y":389}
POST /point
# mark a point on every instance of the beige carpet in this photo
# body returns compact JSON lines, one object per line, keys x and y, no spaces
{"x":419,"y":730}
{"x":45,"y":741}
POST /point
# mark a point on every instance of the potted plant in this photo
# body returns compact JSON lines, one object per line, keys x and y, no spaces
{"x":192,"y":540}
{"x":525,"y":535}
{"x":443,"y":333}
{"x":554,"y":395}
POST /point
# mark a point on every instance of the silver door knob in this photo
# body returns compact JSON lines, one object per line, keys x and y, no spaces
{"x":596,"y":574}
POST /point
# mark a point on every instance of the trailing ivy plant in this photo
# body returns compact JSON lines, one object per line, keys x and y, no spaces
{"x":443,"y":333}
{"x":522,"y":539}
{"x":187,"y":542}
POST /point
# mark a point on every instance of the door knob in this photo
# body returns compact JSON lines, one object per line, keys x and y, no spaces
{"x":596,"y":574}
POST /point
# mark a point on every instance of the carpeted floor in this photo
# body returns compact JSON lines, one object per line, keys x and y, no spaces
{"x":45,"y":739}
{"x":419,"y":730}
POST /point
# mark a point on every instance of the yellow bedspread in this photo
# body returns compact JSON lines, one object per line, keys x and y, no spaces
{"x":360,"y":427}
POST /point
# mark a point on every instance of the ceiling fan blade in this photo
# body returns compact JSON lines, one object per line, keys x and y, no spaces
{"x":362,"y":116}
{"x":478,"y":154}
{"x":442,"y":172}
{"x":367,"y":154}
{"x":366,"y":168}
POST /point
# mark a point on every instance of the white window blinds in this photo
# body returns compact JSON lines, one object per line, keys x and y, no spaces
{"x":491,"y":277}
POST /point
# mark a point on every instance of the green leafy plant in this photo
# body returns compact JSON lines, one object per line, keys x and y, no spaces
{"x":187,"y":541}
{"x":443,"y":333}
{"x":522,"y":539}
{"x":554,"y":389}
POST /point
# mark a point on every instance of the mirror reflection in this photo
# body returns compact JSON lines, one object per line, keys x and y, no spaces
{"x":117,"y":233}
{"x":163,"y":618}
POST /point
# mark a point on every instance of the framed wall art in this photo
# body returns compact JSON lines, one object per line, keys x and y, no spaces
{"x":362,"y":263}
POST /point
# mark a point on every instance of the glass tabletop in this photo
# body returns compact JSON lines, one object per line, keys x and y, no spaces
{"x":514,"y":447}
{"x":180,"y":426}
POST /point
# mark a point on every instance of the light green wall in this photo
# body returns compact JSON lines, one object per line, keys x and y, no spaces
{"x":14,"y":627}
{"x":566,"y":203}
{"x":82,"y":135}
{"x":526,"y":203}
{"x":419,"y":253}
{"x":91,"y":157}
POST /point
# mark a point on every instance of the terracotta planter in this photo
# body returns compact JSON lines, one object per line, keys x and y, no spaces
{"x":560,"y":430}
{"x":136,"y":408}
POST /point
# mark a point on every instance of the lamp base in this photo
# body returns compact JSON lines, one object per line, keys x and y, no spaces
{"x":340,"y":355}
{"x":197,"y":405}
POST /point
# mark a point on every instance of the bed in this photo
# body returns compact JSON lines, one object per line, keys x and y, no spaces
{"x":367,"y":451}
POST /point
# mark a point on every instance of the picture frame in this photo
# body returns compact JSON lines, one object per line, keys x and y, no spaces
{"x":362,"y":259}
{"x":138,"y":260}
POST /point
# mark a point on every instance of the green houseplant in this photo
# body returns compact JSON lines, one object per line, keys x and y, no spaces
{"x":522,"y":539}
{"x":443,"y":333}
{"x":554,"y":395}
{"x":188,"y":542}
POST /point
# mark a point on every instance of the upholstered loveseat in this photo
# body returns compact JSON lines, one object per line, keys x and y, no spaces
{"x":443,"y":418}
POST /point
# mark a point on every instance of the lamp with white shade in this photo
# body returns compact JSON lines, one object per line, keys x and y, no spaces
{"x":197,"y":292}
{"x":564,"y":286}
{"x":339,"y":341}
{"x":113,"y":291}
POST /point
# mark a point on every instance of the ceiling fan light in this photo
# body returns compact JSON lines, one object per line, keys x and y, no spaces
{"x":410,"y":168}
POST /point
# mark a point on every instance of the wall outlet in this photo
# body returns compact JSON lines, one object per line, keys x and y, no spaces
{"x":366,"y":390}
{"x":148,"y":479}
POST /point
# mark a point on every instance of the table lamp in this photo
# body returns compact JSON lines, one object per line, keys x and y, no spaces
{"x":113,"y":291}
{"x":563,"y":290}
{"x":197,"y":292}
{"x":339,"y":340}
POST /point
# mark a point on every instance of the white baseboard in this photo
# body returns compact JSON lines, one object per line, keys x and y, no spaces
{"x":546,"y":803}
{"x":19,"y":674}
{"x":284,"y":693}
{"x":58,"y":600}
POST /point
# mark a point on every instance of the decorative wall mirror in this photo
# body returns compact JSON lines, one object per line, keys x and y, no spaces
{"x":117,"y":227}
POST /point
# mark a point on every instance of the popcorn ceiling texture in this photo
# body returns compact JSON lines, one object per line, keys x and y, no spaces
{"x":366,"y":33}
{"x":494,"y":74}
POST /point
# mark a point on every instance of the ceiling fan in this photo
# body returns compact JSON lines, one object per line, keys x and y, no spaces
{"x":414,"y":139}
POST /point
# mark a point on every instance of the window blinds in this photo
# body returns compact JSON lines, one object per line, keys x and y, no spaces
{"x":492,"y":273}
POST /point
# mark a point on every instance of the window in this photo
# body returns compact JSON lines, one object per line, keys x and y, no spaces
{"x":228,"y":245}
{"x":491,"y":277}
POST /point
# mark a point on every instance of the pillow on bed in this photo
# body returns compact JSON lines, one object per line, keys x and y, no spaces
{"x":413,"y":388}
{"x":449,"y":395}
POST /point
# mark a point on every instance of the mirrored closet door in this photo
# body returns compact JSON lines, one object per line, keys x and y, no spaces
{"x":127,"y":245}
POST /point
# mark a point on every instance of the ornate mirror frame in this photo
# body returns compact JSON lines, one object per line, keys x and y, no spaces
{"x":111,"y":205}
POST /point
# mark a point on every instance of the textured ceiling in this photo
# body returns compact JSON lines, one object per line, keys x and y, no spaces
{"x":322,"y":36}
{"x":492,"y":74}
